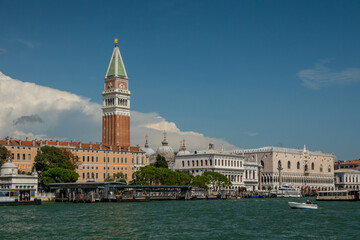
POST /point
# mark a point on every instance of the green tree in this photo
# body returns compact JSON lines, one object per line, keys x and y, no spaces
{"x":217,"y":179}
{"x":4,"y":155}
{"x":160,"y":162}
{"x":55,"y":165}
{"x":200,"y":181}
{"x":52,"y":157}
{"x":59,"y":175}
{"x":150,"y":175}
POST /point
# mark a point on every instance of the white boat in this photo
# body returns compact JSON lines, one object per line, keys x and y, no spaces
{"x":306,"y":205}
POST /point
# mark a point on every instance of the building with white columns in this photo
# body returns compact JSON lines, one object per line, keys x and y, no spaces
{"x":298,"y":168}
{"x":347,"y":179}
{"x":241,"y":173}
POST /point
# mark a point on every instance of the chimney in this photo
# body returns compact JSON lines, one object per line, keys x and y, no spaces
{"x":26,"y":139}
{"x":57,"y":142}
{"x":90,"y":145}
{"x":100,"y":147}
{"x":33,"y":142}
{"x":20,"y":142}
{"x":8,"y":141}
{"x":46,"y":142}
{"x":79,"y":144}
{"x":110,"y":147}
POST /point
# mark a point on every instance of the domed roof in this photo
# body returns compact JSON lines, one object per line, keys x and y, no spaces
{"x":9,"y":168}
{"x":182,"y":150}
{"x":148,"y":151}
{"x":164,"y":149}
{"x":182,"y":153}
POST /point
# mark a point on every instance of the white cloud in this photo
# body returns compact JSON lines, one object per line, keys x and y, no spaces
{"x":252,"y":134}
{"x":27,"y":43}
{"x":321,"y":76}
{"x":34,"y":111}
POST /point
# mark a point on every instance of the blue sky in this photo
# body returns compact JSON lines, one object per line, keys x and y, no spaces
{"x":255,"y":73}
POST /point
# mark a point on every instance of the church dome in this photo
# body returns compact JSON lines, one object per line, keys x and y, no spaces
{"x":182,"y":153}
{"x":148,"y":150}
{"x":8,"y":168}
{"x":165,"y":150}
{"x":182,"y":150}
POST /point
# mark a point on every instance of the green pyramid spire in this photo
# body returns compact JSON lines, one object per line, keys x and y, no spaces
{"x":116,"y":67}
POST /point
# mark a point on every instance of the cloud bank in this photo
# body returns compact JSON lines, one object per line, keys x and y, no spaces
{"x":34,"y":111}
{"x":321,"y":76}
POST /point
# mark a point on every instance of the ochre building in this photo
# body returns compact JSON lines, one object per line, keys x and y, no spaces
{"x":96,"y":161}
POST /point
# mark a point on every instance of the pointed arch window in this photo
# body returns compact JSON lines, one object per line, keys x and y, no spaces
{"x":289,"y":164}
{"x":298,"y":165}
{"x":312,"y":166}
{"x":321,"y":168}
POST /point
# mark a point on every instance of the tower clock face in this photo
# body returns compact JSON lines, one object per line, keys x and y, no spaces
{"x":122,"y":85}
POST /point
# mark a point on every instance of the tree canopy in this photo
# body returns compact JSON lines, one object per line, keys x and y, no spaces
{"x":56,"y":165}
{"x":52,"y":157}
{"x":200,"y":181}
{"x":150,"y":175}
{"x":160,"y":162}
{"x":4,"y":155}
{"x":59,"y":175}
{"x":217,"y":179}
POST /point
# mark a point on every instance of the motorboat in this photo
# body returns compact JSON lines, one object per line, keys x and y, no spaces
{"x":305,"y":205}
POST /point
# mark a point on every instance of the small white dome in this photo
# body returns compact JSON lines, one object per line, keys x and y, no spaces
{"x":182,"y":153}
{"x":8,"y":168}
{"x":148,"y":151}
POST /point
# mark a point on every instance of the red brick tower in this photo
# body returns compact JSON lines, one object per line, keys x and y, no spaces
{"x":116,"y":103}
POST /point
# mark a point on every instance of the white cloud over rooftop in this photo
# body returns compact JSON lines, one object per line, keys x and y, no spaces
{"x":34,"y":111}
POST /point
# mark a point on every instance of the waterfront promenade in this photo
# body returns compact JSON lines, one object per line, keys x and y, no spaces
{"x":224,"y":219}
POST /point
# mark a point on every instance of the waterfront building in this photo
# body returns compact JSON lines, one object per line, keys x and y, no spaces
{"x":298,"y":168}
{"x":347,"y":179}
{"x":348,"y":164}
{"x":97,"y":161}
{"x":19,"y":186}
{"x":241,"y":174}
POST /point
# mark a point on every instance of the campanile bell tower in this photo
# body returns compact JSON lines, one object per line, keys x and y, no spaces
{"x":116,"y":103}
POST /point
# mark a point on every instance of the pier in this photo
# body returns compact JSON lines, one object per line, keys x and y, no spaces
{"x":117,"y":192}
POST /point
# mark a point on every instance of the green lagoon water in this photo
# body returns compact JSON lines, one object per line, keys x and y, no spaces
{"x":216,"y":219}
